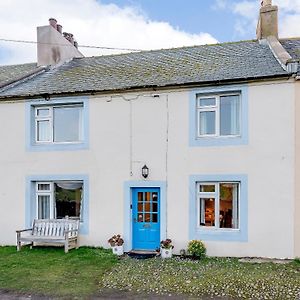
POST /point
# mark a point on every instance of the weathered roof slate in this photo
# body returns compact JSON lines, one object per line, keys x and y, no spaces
{"x":292,"y":46}
{"x":12,"y":72}
{"x":167,"y":67}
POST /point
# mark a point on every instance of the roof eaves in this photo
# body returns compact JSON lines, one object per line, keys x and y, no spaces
{"x":151,"y":87}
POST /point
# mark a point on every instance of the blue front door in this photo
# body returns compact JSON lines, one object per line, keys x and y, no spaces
{"x":145,"y":218}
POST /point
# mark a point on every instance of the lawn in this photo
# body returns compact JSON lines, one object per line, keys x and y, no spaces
{"x":49,"y":271}
{"x":88,"y":271}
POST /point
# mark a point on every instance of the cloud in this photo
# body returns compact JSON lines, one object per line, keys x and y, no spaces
{"x":246,"y":13}
{"x":91,"y":22}
{"x":220,"y":5}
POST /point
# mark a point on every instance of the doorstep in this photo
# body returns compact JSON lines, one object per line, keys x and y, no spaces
{"x":142,"y":254}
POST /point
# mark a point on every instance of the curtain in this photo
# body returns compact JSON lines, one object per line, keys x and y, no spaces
{"x":69,"y":185}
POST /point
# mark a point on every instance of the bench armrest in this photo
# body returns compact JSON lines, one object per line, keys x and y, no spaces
{"x":19,"y":231}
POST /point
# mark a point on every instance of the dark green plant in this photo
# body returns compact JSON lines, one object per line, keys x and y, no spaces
{"x":196,"y":248}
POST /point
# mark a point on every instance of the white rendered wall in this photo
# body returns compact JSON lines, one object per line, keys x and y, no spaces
{"x":297,"y":172}
{"x":268,"y":161}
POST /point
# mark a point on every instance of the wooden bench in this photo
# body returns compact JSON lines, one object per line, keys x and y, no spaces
{"x":50,"y":231}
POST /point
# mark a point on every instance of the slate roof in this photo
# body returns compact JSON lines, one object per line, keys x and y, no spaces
{"x":243,"y":60}
{"x":292,"y":46}
{"x":11,"y":72}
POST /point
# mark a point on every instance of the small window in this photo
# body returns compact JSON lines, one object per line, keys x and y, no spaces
{"x":218,"y":205}
{"x":59,"y":199}
{"x":59,"y":124}
{"x":218,"y":115}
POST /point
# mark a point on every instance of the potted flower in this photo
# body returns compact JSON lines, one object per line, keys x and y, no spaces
{"x":166,"y":248}
{"x":116,"y":242}
{"x":196,"y":249}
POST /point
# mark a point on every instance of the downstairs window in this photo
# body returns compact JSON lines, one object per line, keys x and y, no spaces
{"x":218,"y":205}
{"x":59,"y":199}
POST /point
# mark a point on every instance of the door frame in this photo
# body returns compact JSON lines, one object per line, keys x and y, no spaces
{"x":127,"y":227}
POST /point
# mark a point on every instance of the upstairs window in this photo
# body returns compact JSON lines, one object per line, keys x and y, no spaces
{"x":218,"y":115}
{"x":59,"y":124}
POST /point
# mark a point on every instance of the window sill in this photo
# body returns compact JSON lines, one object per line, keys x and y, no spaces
{"x":220,"y":234}
{"x":215,"y":141}
{"x":58,"y":146}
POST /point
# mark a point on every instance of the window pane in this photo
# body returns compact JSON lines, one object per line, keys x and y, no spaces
{"x":207,"y":188}
{"x":147,"y":196}
{"x":43,"y":187}
{"x":147,"y":218}
{"x":67,"y":124}
{"x":154,"y":196}
{"x":43,"y":206}
{"x":154,"y":218}
{"x":207,"y":122}
{"x":229,"y":115}
{"x":229,"y":205}
{"x":67,"y":200}
{"x":140,"y":207}
{"x":207,"y":212}
{"x":207,"y":102}
{"x":43,"y":112}
{"x":147,"y":207}
{"x":43,"y":131}
{"x":140,"y":196}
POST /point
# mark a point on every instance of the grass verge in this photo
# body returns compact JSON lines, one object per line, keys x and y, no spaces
{"x":49,"y":271}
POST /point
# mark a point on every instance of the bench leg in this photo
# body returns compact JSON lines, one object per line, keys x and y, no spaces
{"x":19,"y":245}
{"x":66,"y":246}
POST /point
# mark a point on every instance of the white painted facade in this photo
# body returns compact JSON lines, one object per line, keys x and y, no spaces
{"x":129,"y":130}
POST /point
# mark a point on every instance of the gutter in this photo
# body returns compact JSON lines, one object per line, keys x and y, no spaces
{"x":146,"y":88}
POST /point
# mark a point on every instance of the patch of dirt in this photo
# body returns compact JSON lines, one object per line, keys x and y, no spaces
{"x":104,"y":294}
{"x":258,"y":260}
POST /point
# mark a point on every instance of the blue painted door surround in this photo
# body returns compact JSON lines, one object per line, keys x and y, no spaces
{"x":145,"y":218}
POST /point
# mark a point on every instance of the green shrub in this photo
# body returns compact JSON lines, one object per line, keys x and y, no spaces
{"x":196,"y":248}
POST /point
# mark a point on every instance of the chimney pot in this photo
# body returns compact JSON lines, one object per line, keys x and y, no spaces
{"x":266,"y":3}
{"x":69,"y":37}
{"x":75,"y":44}
{"x":53,"y":23}
{"x":59,"y":28}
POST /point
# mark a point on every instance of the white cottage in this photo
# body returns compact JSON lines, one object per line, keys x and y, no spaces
{"x":188,"y":143}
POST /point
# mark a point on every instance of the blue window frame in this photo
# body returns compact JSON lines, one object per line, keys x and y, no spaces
{"x":57,"y":124}
{"x":218,"y":116}
{"x":42,"y":185}
{"x":215,"y":216}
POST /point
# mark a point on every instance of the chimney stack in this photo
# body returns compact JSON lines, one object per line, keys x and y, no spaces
{"x":53,"y":48}
{"x":267,"y":21}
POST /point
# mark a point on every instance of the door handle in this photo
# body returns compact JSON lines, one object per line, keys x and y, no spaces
{"x":134,"y":220}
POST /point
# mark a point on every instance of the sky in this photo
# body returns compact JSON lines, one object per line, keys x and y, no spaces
{"x":136,"y":24}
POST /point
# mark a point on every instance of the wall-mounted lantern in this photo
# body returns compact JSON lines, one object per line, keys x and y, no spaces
{"x":145,"y":171}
